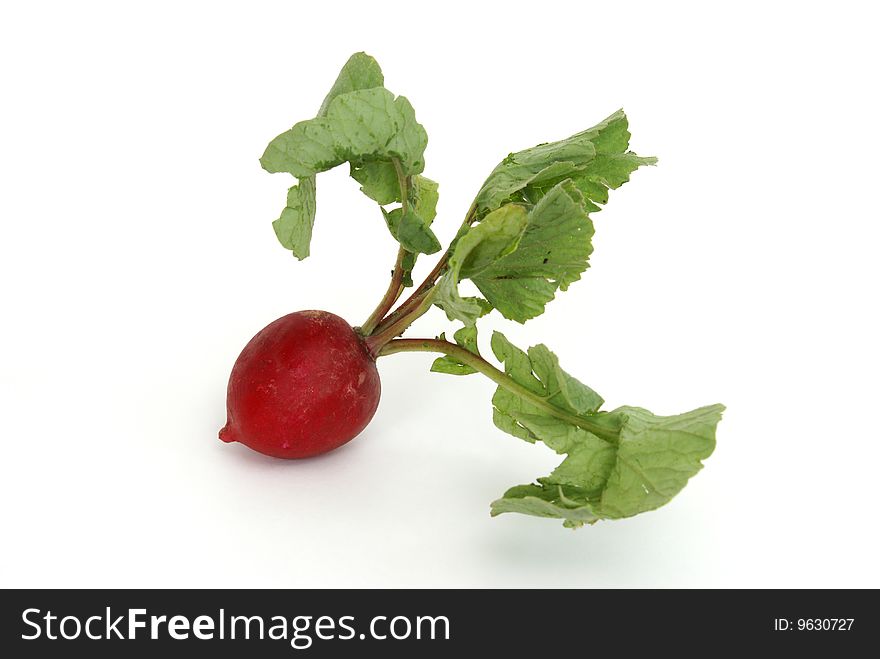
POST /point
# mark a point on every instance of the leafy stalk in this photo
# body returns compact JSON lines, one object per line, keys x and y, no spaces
{"x":618,"y":463}
{"x":414,"y":300}
{"x":395,"y":287}
{"x":526,"y":237}
{"x":498,"y":377}
{"x":383,"y":335}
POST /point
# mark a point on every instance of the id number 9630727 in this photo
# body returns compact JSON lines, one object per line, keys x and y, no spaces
{"x":813,"y":624}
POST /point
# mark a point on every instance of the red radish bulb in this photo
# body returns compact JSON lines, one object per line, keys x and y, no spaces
{"x":304,"y":385}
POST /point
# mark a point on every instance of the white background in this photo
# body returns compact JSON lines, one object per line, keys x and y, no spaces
{"x":137,"y":259}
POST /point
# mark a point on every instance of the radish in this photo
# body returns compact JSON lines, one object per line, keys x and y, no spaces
{"x":304,"y":385}
{"x":307,"y":383}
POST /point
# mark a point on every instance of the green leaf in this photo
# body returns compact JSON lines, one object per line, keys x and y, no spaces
{"x":380,"y":182}
{"x":651,"y":462}
{"x":456,"y":307}
{"x":304,"y":150}
{"x":415,"y":235}
{"x":539,"y":372}
{"x":516,"y":363}
{"x":588,"y":464}
{"x":373,"y":124}
{"x":485,"y":306}
{"x":466,"y":337}
{"x":362,"y":123}
{"x":560,"y":388}
{"x":378,"y":179}
{"x":424,"y":197}
{"x":595,"y":159}
{"x":553,"y":252}
{"x":560,"y":183}
{"x":411,"y":231}
{"x":617,"y":463}
{"x":656,"y":457}
{"x":408,"y":263}
{"x":294,"y":227}
{"x":567,"y":504}
{"x":360,"y":72}
{"x":498,"y":234}
{"x":425,"y":193}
